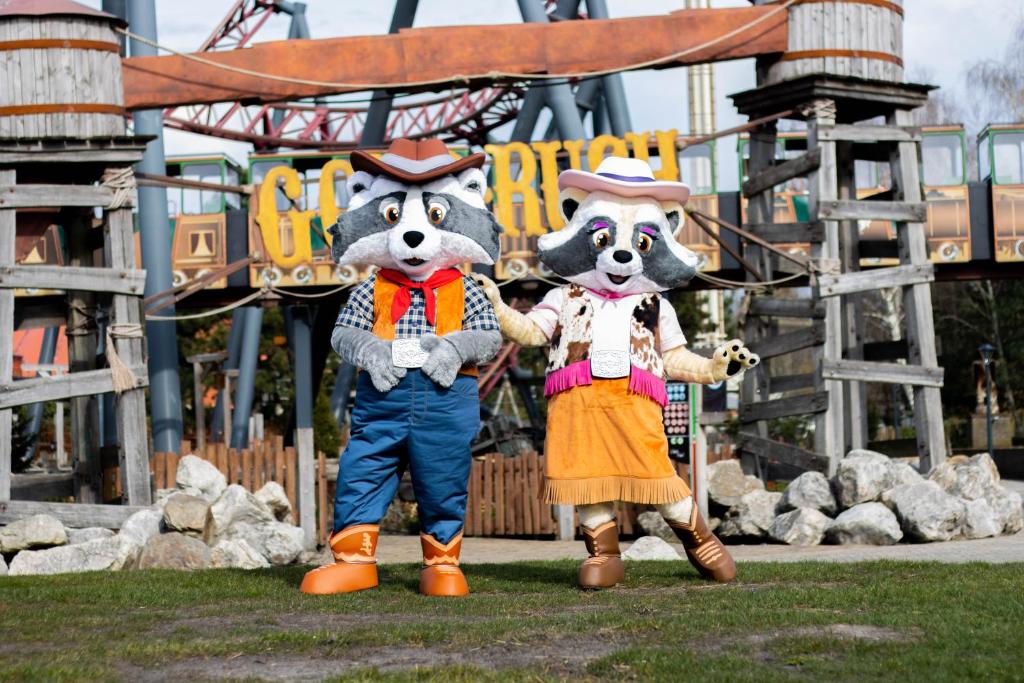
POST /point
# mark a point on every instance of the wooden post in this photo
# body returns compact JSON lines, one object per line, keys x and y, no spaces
{"x":200,"y":409}
{"x":829,"y":430}
{"x":7,"y":251}
{"x":855,"y":394}
{"x":130,"y":405}
{"x":82,"y":341}
{"x":699,"y":458}
{"x":321,"y":471}
{"x":917,"y":303}
{"x":58,"y":435}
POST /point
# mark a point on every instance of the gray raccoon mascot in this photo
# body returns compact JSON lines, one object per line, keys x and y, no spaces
{"x":418,"y":329}
{"x":613,"y":341}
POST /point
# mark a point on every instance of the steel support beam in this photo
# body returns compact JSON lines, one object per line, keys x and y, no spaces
{"x":155,"y":237}
{"x":35,"y":412}
{"x":299,"y":324}
{"x":376,"y":126}
{"x":614,"y":92}
{"x":231,"y":363}
{"x":245,"y":390}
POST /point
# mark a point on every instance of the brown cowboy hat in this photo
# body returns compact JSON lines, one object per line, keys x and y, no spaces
{"x":415,"y":161}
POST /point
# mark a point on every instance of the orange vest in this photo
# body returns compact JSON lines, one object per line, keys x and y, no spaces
{"x":451,"y":306}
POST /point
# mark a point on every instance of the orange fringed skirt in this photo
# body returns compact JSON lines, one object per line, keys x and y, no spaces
{"x":605,"y":443}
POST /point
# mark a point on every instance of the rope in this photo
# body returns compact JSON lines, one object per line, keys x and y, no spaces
{"x":288,"y":292}
{"x":489,"y":75}
{"x":122,"y":182}
{"x":819,"y":109}
{"x":216,"y":311}
{"x":757,"y":287}
{"x":122,"y":375}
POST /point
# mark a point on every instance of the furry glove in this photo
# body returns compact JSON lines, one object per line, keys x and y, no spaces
{"x":729,"y":359}
{"x":369,"y":352}
{"x":514,"y":325}
{"x":452,"y":351}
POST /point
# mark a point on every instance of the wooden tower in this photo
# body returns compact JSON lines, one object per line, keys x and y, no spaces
{"x":64,"y":152}
{"x":842,"y":75}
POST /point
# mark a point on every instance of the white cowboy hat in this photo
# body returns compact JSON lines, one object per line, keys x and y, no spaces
{"x":625,"y":177}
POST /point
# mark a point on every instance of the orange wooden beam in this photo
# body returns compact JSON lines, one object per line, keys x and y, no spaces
{"x":456,"y":54}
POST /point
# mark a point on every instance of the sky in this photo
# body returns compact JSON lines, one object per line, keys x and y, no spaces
{"x":940,"y":38}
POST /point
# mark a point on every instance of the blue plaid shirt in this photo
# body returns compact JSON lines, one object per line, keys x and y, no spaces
{"x":358,"y":312}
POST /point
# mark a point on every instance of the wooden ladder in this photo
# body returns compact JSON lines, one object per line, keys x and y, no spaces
{"x":832,"y":317}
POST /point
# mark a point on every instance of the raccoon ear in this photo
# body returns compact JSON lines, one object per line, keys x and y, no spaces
{"x":569,"y":201}
{"x":674,"y":214}
{"x":474,"y":181}
{"x":358,"y":183}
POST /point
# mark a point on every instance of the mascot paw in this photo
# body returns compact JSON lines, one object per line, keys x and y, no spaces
{"x":490,"y":288}
{"x":385,"y":377}
{"x":732,"y":358}
{"x":444,"y":361}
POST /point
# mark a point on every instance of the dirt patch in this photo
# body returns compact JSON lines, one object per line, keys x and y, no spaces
{"x":560,"y":656}
{"x":290,"y":622}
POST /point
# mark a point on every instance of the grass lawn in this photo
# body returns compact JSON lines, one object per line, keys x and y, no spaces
{"x":808,"y":621}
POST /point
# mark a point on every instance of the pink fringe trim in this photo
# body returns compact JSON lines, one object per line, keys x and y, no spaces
{"x":649,"y":385}
{"x":574,"y":375}
{"x":578,"y":374}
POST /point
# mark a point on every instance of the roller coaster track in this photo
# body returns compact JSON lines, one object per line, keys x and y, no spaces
{"x":466,"y":116}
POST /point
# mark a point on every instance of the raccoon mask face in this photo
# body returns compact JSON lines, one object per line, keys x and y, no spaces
{"x":623,"y":245}
{"x":416,"y":229}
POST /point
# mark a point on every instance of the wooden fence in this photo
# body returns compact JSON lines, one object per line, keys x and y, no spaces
{"x":505,"y":499}
{"x":251,"y":468}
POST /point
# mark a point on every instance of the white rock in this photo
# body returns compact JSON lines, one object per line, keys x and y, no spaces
{"x":1007,"y":506}
{"x":944,"y":474}
{"x":727,"y":483}
{"x":37,"y":531}
{"x":809,"y":490}
{"x":174,"y":551}
{"x":901,"y":473}
{"x":980,"y":520}
{"x":101,"y":554}
{"x":3,"y":566}
{"x":654,"y":524}
{"x":236,"y":553}
{"x":985,"y":461}
{"x":974,"y":478}
{"x":274,"y":497}
{"x":278,"y":542}
{"x":926,"y":512}
{"x":861,"y":477}
{"x":650,"y":548}
{"x":186,"y":513}
{"x":235,"y":506}
{"x":753,"y":483}
{"x":76,"y":536}
{"x":803,"y":526}
{"x":867,"y":523}
{"x":142,"y":526}
{"x":751,"y":516}
{"x":198,"y":477}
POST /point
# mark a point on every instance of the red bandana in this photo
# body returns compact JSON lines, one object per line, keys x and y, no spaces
{"x":403,"y":297}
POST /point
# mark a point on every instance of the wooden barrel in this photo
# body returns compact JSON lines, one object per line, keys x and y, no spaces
{"x":60,"y":71}
{"x":859,"y":38}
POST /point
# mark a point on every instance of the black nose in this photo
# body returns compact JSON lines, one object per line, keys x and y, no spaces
{"x":622,"y":256}
{"x":413,"y":238}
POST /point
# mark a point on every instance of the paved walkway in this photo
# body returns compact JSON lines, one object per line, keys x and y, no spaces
{"x":498,"y":550}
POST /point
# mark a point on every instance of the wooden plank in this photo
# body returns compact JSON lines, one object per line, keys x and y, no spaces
{"x":74,"y":515}
{"x":293,"y":476}
{"x":233,"y":467}
{"x":859,"y":210}
{"x":779,"y":173}
{"x":868,"y":133}
{"x":246,"y":459}
{"x":321,"y":498}
{"x":8,"y":238}
{"x":280,"y":466}
{"x":499,"y":497}
{"x":776,"y":450}
{"x":42,"y":486}
{"x":786,"y":308}
{"x":535,"y":490}
{"x":887,"y":373}
{"x":64,"y":387}
{"x":46,"y":196}
{"x":784,"y":233}
{"x":789,"y":342}
{"x":115,"y":280}
{"x":306,"y":485}
{"x":477,"y":512}
{"x":488,"y":467}
{"x":804,"y":404}
{"x":784,"y":383}
{"x":172,"y":468}
{"x":877,"y":278}
{"x":160,"y":471}
{"x":520,"y":487}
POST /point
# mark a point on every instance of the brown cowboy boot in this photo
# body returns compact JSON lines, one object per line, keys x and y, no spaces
{"x":441,"y":575}
{"x":705,"y":552}
{"x":355,"y":563}
{"x":603,"y":569}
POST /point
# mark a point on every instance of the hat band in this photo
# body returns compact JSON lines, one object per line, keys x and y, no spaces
{"x":627,"y":178}
{"x":417,"y":165}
